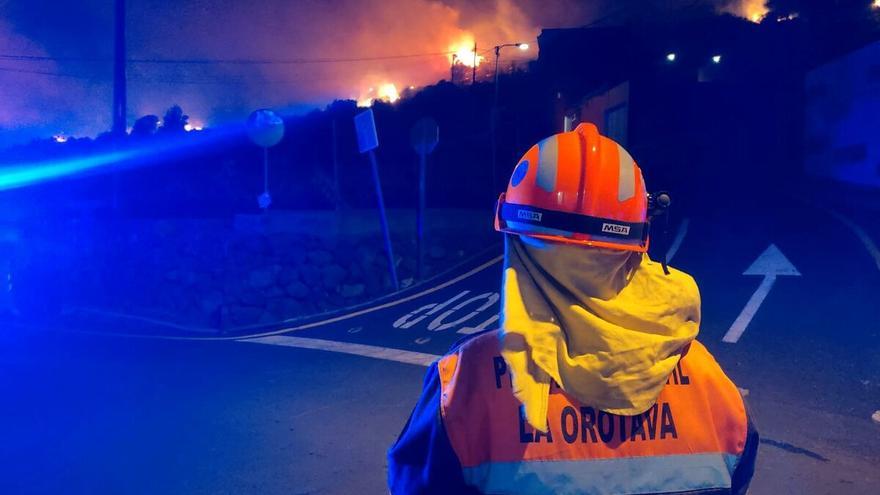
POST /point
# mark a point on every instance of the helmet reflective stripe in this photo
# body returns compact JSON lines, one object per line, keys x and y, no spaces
{"x":548,"y":162}
{"x":626,"y":185}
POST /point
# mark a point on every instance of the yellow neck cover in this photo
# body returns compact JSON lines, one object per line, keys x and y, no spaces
{"x":607,"y":326}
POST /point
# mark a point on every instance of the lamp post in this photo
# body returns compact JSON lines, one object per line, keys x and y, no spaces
{"x":494,"y":117}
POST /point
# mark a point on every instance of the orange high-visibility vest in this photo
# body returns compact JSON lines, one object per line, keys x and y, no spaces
{"x":691,"y":440}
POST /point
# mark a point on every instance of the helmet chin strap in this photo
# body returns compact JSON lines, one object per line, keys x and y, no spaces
{"x":665,"y":261}
{"x":659,"y":204}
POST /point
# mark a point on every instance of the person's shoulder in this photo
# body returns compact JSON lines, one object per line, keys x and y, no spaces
{"x":466,"y":351}
{"x":479,"y":340}
{"x":699,"y":362}
{"x":696,"y":351}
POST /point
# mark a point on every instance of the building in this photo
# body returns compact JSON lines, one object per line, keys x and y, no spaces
{"x":843,"y":119}
{"x":713,"y":101}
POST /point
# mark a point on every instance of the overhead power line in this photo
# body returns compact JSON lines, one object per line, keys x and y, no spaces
{"x":238,"y":79}
{"x":138,"y":79}
{"x":220,"y":61}
{"x":44,"y":73}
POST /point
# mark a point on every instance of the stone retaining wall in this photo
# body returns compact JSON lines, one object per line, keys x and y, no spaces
{"x":258,"y":269}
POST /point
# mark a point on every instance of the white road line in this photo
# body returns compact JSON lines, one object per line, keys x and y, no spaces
{"x":679,"y":238}
{"x":742,"y":321}
{"x":861,"y":234}
{"x":386,"y":353}
{"x":344,"y":317}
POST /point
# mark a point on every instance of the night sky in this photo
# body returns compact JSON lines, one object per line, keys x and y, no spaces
{"x":70,"y":92}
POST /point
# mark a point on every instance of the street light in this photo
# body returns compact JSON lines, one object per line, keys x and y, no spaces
{"x":521,"y":46}
{"x":497,"y":49}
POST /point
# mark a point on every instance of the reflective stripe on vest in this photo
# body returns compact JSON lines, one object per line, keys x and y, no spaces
{"x":691,"y":439}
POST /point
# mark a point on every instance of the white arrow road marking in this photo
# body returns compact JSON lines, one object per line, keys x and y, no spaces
{"x":770,"y":264}
{"x":744,"y":318}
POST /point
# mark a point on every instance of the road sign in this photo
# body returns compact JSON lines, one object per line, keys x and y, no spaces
{"x":265,"y":128}
{"x":365,"y":126}
{"x":424,"y":136}
{"x":264,"y":200}
{"x":770,"y":264}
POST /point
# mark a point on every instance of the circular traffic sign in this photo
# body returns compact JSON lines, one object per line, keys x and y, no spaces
{"x":265,"y":128}
{"x":424,"y":136}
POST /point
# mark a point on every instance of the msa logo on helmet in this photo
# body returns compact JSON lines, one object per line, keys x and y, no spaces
{"x":613,"y":228}
{"x":534,"y":216}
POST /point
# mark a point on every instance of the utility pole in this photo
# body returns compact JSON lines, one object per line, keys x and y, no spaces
{"x":452,"y":69}
{"x":474,"y":71}
{"x":494,"y":124}
{"x":119,"y":104}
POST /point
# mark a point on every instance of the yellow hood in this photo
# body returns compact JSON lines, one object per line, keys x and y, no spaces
{"x":607,"y":326}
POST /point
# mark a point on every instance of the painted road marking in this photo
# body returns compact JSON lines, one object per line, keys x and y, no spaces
{"x":385,"y":353}
{"x":416,"y":316}
{"x":344,"y":317}
{"x":745,"y":317}
{"x":863,"y":236}
{"x":679,"y":238}
{"x":770,"y":264}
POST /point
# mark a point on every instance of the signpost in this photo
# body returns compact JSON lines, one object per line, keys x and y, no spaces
{"x":265,"y":129}
{"x":424,"y":136}
{"x":368,"y":141}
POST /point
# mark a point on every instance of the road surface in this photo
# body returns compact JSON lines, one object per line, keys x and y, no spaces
{"x":97,"y":407}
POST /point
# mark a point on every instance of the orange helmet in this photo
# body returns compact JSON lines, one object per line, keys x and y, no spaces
{"x":577,"y":187}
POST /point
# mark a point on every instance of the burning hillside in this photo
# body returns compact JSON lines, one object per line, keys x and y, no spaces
{"x":753,"y":10}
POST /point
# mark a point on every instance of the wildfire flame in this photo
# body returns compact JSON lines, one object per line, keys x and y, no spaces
{"x":388,"y":92}
{"x":463,"y":53}
{"x":385,"y":92}
{"x":753,"y":10}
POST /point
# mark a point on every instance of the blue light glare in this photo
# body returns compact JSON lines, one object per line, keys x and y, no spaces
{"x":25,"y":175}
{"x":17,"y":176}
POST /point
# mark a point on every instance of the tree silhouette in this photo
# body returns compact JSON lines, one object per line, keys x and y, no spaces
{"x":145,"y":127}
{"x":174,"y":121}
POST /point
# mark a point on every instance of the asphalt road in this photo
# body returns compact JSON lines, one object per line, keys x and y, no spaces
{"x":89,"y":413}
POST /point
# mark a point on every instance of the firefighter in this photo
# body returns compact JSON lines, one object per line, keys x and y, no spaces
{"x":594,"y":383}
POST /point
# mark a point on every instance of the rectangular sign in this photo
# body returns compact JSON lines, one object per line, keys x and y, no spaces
{"x":365,"y":126}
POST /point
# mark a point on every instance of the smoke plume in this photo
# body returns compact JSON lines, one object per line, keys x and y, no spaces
{"x":286,"y":55}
